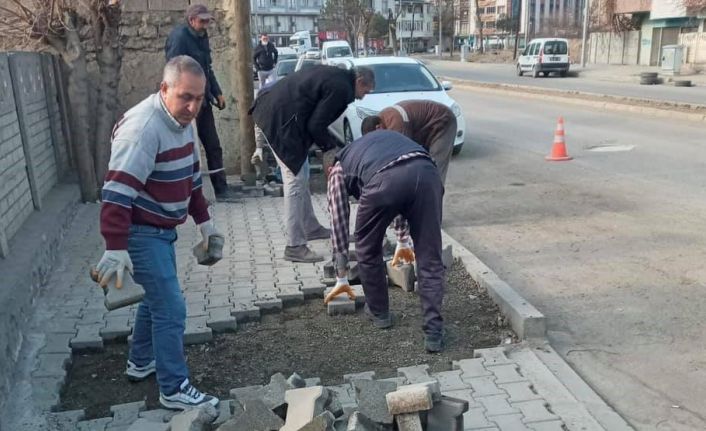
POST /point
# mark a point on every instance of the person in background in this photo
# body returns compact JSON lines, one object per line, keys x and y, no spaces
{"x":265,"y":59}
{"x":191,"y":38}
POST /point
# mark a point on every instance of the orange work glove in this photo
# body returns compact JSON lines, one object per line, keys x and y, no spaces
{"x":404,"y":254}
{"x":342,"y":286}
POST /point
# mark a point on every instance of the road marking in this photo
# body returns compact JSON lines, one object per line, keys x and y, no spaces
{"x":610,"y":148}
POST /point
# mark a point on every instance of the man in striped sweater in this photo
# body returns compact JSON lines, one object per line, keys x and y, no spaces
{"x":153,"y":183}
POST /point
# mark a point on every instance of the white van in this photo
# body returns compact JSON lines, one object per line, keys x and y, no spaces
{"x":544,"y":56}
{"x":335,"y":51}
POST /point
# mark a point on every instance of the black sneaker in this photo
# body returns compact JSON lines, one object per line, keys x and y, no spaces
{"x":137,"y":374}
{"x":434,"y":343}
{"x":187,"y":397}
{"x":380,"y":321}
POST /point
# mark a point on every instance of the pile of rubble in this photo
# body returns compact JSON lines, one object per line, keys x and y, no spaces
{"x":295,"y":404}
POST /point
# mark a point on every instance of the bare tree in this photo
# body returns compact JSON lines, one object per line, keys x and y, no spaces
{"x":479,"y":25}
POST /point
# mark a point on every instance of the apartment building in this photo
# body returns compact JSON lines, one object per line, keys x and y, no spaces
{"x":282,"y":18}
{"x":415,"y":21}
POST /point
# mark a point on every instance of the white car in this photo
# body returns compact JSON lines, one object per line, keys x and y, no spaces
{"x":396,"y":79}
{"x":334,"y":52}
{"x":544,"y":56}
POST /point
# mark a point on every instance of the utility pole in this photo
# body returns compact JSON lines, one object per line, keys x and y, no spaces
{"x":240,"y":34}
{"x":583,"y":36}
{"x":440,"y":35}
{"x":527,"y":20}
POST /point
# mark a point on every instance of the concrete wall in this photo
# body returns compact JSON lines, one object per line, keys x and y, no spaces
{"x":144,"y":30}
{"x":615,"y":48}
{"x":646,"y":43}
{"x":695,"y":46}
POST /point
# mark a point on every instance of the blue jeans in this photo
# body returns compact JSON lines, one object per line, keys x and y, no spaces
{"x":159,"y":324}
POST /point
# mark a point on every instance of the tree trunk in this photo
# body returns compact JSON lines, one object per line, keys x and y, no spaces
{"x":109,"y":63}
{"x":480,"y":27}
{"x":75,"y":58}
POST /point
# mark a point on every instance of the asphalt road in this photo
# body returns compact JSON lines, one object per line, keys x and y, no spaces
{"x":505,"y":74}
{"x":609,"y":246}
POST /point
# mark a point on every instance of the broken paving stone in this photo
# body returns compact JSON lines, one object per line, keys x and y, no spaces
{"x":303,"y":405}
{"x":254,"y":417}
{"x":359,"y":422}
{"x":401,"y":276}
{"x":365,"y":375}
{"x":296,"y":381}
{"x":409,"y":422}
{"x":273,"y":394}
{"x":370,"y":395}
{"x":410,"y":399}
{"x":145,"y":425}
{"x":447,"y":414}
{"x":195,"y":419}
{"x":224,"y":412}
{"x":65,"y":421}
{"x":322,"y":422}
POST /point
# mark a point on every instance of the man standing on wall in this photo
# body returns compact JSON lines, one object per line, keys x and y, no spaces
{"x":153,"y":184}
{"x":190,"y":38}
{"x":265,"y":59}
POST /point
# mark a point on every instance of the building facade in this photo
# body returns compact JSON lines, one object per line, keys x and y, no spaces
{"x":282,"y":18}
{"x":415,"y":22}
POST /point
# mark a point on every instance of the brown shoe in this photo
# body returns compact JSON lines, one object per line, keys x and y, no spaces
{"x":320,"y":233}
{"x":302,"y":254}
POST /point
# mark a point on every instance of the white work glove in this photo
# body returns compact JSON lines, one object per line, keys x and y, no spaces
{"x":404,"y":253}
{"x":257,"y":157}
{"x":208,"y":229}
{"x":342,"y":286}
{"x":113,"y":262}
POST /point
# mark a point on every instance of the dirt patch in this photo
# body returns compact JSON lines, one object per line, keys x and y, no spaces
{"x":304,"y":340}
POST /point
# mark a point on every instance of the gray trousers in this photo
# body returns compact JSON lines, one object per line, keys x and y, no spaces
{"x":414,"y":190}
{"x":262,"y":76}
{"x":299,"y":215}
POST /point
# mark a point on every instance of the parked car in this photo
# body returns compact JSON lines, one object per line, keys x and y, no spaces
{"x":282,"y":69}
{"x":396,"y":79}
{"x":314,"y":53}
{"x":335,"y":51}
{"x":286,"y":53}
{"x":305,"y":63}
{"x":544,"y":56}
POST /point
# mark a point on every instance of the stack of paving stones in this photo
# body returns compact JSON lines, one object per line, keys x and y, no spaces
{"x":488,"y":392}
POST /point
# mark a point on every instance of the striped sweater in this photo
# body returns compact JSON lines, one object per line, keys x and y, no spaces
{"x":153,"y":176}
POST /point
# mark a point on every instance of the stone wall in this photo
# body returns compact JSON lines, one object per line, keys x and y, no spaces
{"x":144,"y":30}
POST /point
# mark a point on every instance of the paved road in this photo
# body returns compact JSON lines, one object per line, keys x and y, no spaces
{"x":610,"y":246}
{"x":505,"y":74}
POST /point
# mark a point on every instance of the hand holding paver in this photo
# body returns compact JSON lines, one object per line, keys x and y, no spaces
{"x":342,"y":286}
{"x":210,"y":249}
{"x":404,"y":254}
{"x":256,"y":158}
{"x":113,"y":262}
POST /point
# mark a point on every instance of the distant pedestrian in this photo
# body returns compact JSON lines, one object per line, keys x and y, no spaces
{"x":153,"y":184}
{"x":430,"y":124}
{"x":265,"y":59}
{"x":389,"y":175}
{"x":191,"y":38}
{"x":293,"y":115}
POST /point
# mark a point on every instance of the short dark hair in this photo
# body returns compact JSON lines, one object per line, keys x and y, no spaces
{"x":365,"y":74}
{"x":370,"y":124}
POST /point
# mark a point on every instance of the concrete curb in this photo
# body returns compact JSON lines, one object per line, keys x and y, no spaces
{"x":661,"y":109}
{"x":525,"y":320}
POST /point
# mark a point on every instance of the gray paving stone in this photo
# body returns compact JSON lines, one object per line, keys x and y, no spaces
{"x":370,"y":396}
{"x":547,"y":426}
{"x":65,"y":421}
{"x":218,"y":279}
{"x":88,"y":337}
{"x":447,"y":414}
{"x":359,"y":422}
{"x":94,"y":424}
{"x":484,"y":386}
{"x":493,"y":356}
{"x":92,"y":316}
{"x":401,"y":276}
{"x":63,"y":325}
{"x":496,"y":405}
{"x":364,"y":375}
{"x":344,"y":393}
{"x":245,"y":311}
{"x":471,"y":368}
{"x":196,"y":309}
{"x":198,"y":419}
{"x":158,"y":415}
{"x":451,"y":380}
{"x":535,"y":411}
{"x":510,"y":422}
{"x":218,"y":301}
{"x":508,"y":373}
{"x":313,"y":288}
{"x":197,"y":331}
{"x":57,"y":343}
{"x":340,"y":305}
{"x":215,"y":290}
{"x":224,"y":412}
{"x":268,"y":303}
{"x":126,"y":414}
{"x":246,"y":393}
{"x":322,"y":422}
{"x":290,"y":295}
{"x":420,"y":374}
{"x":221,"y":319}
{"x":409,"y":422}
{"x":52,"y":365}
{"x":475,"y":419}
{"x":520,"y":391}
{"x":145,"y":425}
{"x":256,"y":416}
{"x":116,"y":327}
{"x":313,"y":381}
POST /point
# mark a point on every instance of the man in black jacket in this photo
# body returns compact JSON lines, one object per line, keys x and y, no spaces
{"x":294,"y":114}
{"x":190,"y":38}
{"x":265,"y":59}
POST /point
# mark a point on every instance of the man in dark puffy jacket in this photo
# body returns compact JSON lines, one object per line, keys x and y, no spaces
{"x":265,"y":59}
{"x":294,"y":114}
{"x":190,"y":38}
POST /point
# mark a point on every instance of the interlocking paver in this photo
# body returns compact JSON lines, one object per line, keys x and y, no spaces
{"x":65,"y":421}
{"x":535,"y":411}
{"x":484,"y":386}
{"x":510,"y":422}
{"x":496,"y":405}
{"x":116,"y":327}
{"x":547,"y":426}
{"x":126,"y":414}
{"x":450,"y":380}
{"x":94,"y":424}
{"x":218,"y":301}
{"x":493,"y":356}
{"x":57,"y":343}
{"x":52,"y":365}
{"x":245,"y":311}
{"x":196,"y":309}
{"x":197,"y":330}
{"x":471,"y":368}
{"x":520,"y":391}
{"x":221,"y":320}
{"x":475,"y":418}
{"x":219,"y":289}
{"x":508,"y":373}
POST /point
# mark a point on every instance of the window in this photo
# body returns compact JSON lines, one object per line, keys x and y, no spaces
{"x":292,"y":4}
{"x":394,"y":78}
{"x":490,"y":9}
{"x":555,"y":48}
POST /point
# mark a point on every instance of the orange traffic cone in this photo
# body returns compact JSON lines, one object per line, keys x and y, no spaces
{"x":559,"y":148}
